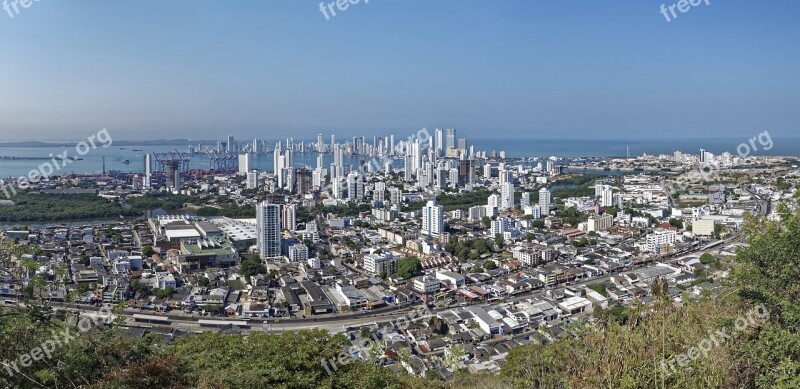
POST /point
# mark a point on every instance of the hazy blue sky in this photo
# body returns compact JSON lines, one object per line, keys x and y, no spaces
{"x":276,"y":68}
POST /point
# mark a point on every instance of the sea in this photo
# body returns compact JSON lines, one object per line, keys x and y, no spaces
{"x":19,"y":161}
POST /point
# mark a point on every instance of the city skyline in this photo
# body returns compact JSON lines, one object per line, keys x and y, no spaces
{"x":512,"y":70}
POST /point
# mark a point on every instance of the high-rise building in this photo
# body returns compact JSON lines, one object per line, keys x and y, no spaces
{"x":438,"y":142}
{"x":525,"y":200}
{"x":702,"y":155}
{"x":148,"y":165}
{"x":498,"y":227}
{"x":607,"y":197}
{"x":408,"y":172}
{"x":379,"y":192}
{"x":544,"y":201}
{"x":320,"y":144}
{"x":289,"y":217}
{"x":231,"y":145}
{"x":244,"y":163}
{"x":303,"y":181}
{"x":505,"y":176}
{"x":278,"y":165}
{"x":339,"y":187}
{"x":395,"y":196}
{"x":268,"y":227}
{"x":358,"y":145}
{"x":432,"y":219}
{"x":462,"y":146}
{"x":355,"y":186}
{"x":466,"y":172}
{"x":252,"y":179}
{"x":416,"y":155}
{"x":454,"y":178}
{"x":493,"y":201}
{"x":507,"y":196}
{"x":450,"y":146}
{"x":487,"y":171}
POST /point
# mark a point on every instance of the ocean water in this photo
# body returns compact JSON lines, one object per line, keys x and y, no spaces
{"x":782,"y":146}
{"x":115,"y":157}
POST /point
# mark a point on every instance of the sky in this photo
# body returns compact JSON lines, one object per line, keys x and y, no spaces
{"x":496,"y":69}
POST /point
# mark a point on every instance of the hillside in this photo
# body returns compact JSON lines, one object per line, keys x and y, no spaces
{"x":745,"y":337}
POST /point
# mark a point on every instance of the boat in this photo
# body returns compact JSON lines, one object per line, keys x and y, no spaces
{"x":137,"y":149}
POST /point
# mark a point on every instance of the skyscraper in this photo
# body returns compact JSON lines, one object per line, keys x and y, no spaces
{"x":544,"y":201}
{"x":450,"y":147}
{"x":268,"y":226}
{"x":289,"y":217}
{"x":439,"y":141}
{"x":358,"y":145}
{"x":148,"y":165}
{"x":525,"y":201}
{"x":252,"y":179}
{"x":380,"y":191}
{"x":507,"y":196}
{"x":355,"y":186}
{"x":466,"y":172}
{"x":607,"y":196}
{"x":230,"y":145}
{"x":244,"y":163}
{"x":303,"y":181}
{"x":432,"y":219}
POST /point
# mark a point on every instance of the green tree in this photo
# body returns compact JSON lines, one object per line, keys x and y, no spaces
{"x":251,"y":267}
{"x":498,"y":241}
{"x":147,"y":251}
{"x":409,"y":267}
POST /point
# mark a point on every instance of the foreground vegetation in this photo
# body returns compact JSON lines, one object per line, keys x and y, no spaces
{"x":59,"y":207}
{"x":624,"y":348}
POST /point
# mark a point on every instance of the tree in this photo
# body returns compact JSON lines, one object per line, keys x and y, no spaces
{"x":676,"y":223}
{"x":498,"y":241}
{"x":489,"y":265}
{"x":365,"y":332}
{"x":409,"y":267}
{"x":250,"y":267}
{"x":164,"y":293}
{"x":147,"y":251}
{"x":707,"y":259}
{"x":453,"y":357}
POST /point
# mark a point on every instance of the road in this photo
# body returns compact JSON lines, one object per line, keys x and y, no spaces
{"x":338,"y":322}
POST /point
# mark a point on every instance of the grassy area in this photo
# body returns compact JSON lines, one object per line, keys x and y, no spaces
{"x":236,"y":284}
